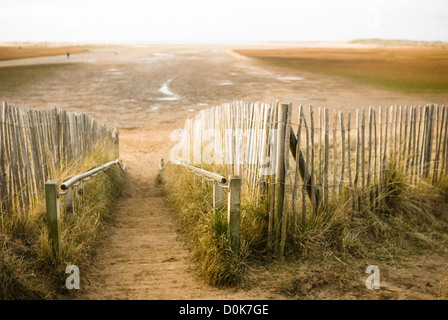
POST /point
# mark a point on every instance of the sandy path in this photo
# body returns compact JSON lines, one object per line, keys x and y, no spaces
{"x":143,"y":255}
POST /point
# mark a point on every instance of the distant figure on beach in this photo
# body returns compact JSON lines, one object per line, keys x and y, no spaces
{"x":68,"y":55}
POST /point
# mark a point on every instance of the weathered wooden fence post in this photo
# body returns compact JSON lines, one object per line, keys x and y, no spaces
{"x":80,"y":190}
{"x":280,"y":174}
{"x":285,"y":212}
{"x":69,"y":202}
{"x":234,"y":213}
{"x":53,"y":214}
{"x":217,"y":195}
{"x":4,"y":196}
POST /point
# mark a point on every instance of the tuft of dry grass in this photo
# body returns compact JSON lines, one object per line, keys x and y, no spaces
{"x":29,"y":268}
{"x":401,"y":221}
{"x":205,"y":226}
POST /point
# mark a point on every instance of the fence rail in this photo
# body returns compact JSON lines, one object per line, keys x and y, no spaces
{"x":211,"y":175}
{"x":86,"y":175}
{"x":52,"y":195}
{"x":35,"y":143}
{"x":234,"y":199}
{"x":301,"y":164}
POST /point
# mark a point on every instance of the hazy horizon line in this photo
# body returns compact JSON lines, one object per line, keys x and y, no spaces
{"x":222,"y":42}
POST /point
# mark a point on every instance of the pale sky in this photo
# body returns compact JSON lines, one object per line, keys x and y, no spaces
{"x":211,"y":21}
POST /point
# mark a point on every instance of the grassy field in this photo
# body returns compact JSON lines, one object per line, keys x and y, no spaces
{"x":21,"y":51}
{"x":404,"y":69}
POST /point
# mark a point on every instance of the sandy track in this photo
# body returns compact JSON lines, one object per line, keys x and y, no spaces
{"x":143,"y":255}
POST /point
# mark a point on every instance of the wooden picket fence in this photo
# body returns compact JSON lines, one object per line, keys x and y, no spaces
{"x":355,"y":152}
{"x":300,"y":165}
{"x":35,"y":143}
{"x":236,"y":135}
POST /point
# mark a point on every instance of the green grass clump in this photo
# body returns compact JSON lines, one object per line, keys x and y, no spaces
{"x":400,"y":221}
{"x":28,"y":267}
{"x":391,"y":223}
{"x":206,"y":228}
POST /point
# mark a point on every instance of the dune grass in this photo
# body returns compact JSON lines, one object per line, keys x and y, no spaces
{"x":206,"y":227}
{"x":416,"y":69}
{"x":402,"y":221}
{"x":28,"y":267}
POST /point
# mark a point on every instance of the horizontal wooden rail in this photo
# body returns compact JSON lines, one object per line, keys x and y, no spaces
{"x":86,"y":175}
{"x":211,"y":175}
{"x":52,"y":200}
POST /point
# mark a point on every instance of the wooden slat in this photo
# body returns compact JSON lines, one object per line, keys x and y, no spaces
{"x":400,"y":132}
{"x":9,"y":154}
{"x":335,"y":154}
{"x":16,"y":176}
{"x":296,"y":178}
{"x":405,"y":134}
{"x":25,"y":162}
{"x":32,"y":155}
{"x":414,"y":144}
{"x":445,"y":137}
{"x":311,"y":178}
{"x":411,"y":140}
{"x":369,"y":164}
{"x":285,"y":214}
{"x":363,"y":148}
{"x":321,"y":133}
{"x":327,"y":155}
{"x":380,"y":154}
{"x":384,"y":161}
{"x":273,"y":177}
{"x":390,"y":148}
{"x":428,"y":141}
{"x":341,"y":182}
{"x":418,"y":153}
{"x":349,"y":160}
{"x":307,"y":175}
{"x":3,"y":160}
{"x":357,"y":161}
{"x":395,"y":134}
{"x":375,"y":155}
{"x":280,"y":173}
{"x":264,"y":155}
{"x":439,"y":124}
